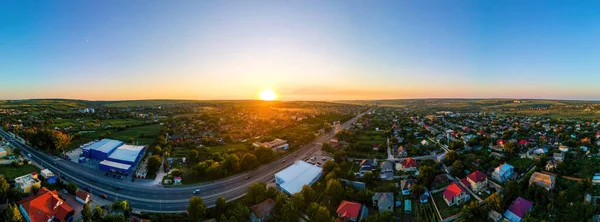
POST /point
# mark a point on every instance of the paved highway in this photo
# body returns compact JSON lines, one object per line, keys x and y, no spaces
{"x":162,"y":199}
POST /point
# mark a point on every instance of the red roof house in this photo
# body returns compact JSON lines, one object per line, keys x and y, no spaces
{"x":46,"y":205}
{"x":455,"y":195}
{"x":477,"y":181}
{"x":409,"y":164}
{"x":349,"y":210}
{"x":523,"y":142}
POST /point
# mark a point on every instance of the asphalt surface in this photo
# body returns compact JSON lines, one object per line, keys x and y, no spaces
{"x":163,"y":199}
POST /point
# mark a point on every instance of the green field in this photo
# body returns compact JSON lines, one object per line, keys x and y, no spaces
{"x":140,"y":134}
{"x":426,"y":212}
{"x":10,"y":172}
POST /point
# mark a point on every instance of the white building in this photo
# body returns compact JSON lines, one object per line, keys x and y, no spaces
{"x":291,"y":179}
{"x":46,"y":173}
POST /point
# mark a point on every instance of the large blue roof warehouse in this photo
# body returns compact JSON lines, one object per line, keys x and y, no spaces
{"x":114,"y":155}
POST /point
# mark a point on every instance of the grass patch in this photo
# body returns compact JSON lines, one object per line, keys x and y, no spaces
{"x":11,"y":172}
{"x":520,"y":164}
{"x":239,"y":147}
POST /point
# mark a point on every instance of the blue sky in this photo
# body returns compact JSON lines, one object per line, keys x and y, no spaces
{"x":304,"y":50}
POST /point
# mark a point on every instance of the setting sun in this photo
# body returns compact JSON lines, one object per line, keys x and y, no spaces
{"x":268,"y":95}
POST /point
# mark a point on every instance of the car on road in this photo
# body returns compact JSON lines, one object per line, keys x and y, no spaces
{"x":103,"y":196}
{"x":247,"y":177}
{"x":283,"y":161}
{"x":295,"y":154}
{"x":313,"y":158}
{"x":119,"y":188}
{"x":87,"y":189}
{"x":196,"y":191}
{"x":29,"y":155}
{"x":92,"y":180}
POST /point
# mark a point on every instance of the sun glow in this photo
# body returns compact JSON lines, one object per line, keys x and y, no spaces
{"x":268,"y":95}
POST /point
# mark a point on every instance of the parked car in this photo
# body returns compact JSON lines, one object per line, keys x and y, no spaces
{"x":65,"y":191}
{"x":103,"y":196}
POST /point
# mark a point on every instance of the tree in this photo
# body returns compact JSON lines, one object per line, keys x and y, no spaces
{"x":308,"y":193}
{"x":328,"y":166}
{"x":12,"y":214}
{"x":86,"y":213}
{"x":196,"y":210}
{"x":426,"y":175}
{"x":220,"y":205}
{"x":450,"y":157}
{"x":97,"y":212}
{"x":249,"y":161}
{"x":4,"y":187}
{"x":257,"y":192}
{"x":114,"y":218}
{"x":298,"y":201}
{"x":214,"y":171}
{"x":335,"y":190}
{"x":192,"y":157}
{"x":495,"y":202}
{"x":289,"y":213}
{"x":232,"y":163}
{"x":417,"y":190}
{"x":35,"y":189}
{"x":322,"y":214}
{"x":264,"y":154}
{"x":511,"y":148}
{"x":158,"y":150}
{"x":368,"y":178}
{"x":154,"y":164}
{"x":72,"y":187}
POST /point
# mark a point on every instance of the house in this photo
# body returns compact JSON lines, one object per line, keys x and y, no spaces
{"x":424,"y":143}
{"x":563,"y":148}
{"x":366,"y":165}
{"x":275,"y":145}
{"x":523,"y":142}
{"x":406,"y":185}
{"x":177,"y":180}
{"x":551,"y":165}
{"x":409,"y":164}
{"x":387,"y":171}
{"x":349,"y":211}
{"x":584,"y":148}
{"x":559,"y":157}
{"x":26,"y":182}
{"x":45,"y":206}
{"x":402,"y":152}
{"x":495,"y":216}
{"x":477,"y":181}
{"x":46,"y":174}
{"x":82,"y":196}
{"x":546,"y":181}
{"x":503,"y":172}
{"x":3,"y":152}
{"x":262,"y":211}
{"x":517,"y":210}
{"x":383,"y":201}
{"x":455,"y":195}
{"x":596,"y":179}
{"x":375,"y":147}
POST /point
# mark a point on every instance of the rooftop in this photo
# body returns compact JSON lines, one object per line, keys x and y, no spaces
{"x":297,"y":175}
{"x":26,"y":180}
{"x":126,"y":153}
{"x":105,"y":145}
{"x":116,"y":165}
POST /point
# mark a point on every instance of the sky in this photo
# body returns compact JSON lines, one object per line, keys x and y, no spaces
{"x":303,"y":50}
